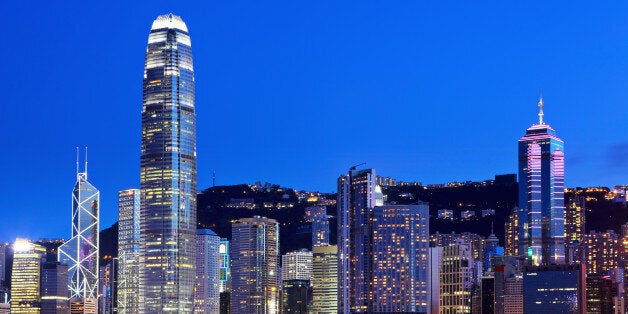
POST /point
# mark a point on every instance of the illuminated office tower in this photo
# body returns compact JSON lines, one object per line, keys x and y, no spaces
{"x":296,"y":265}
{"x":317,"y":216}
{"x":325,"y":279}
{"x":54,"y":288}
{"x":168,"y":171}
{"x":400,"y":258}
{"x":4,"y":279}
{"x":225,"y":266}
{"x":554,"y":289}
{"x":128,"y":251}
{"x":207,"y":292}
{"x":25,"y":277}
{"x":80,"y":253}
{"x":456,"y":278}
{"x":296,"y":296}
{"x":541,"y":194}
{"x":255,"y":266}
{"x":574,"y":219}
{"x":512,"y":233}
{"x":356,"y":199}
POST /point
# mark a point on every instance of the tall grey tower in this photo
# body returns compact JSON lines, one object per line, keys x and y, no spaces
{"x":541,"y":194}
{"x":168,"y":171}
{"x":80,"y":253}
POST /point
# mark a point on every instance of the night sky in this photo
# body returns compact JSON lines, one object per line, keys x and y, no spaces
{"x":296,"y":92}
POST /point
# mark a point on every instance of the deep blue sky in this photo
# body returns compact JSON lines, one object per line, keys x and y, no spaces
{"x":295,"y":92}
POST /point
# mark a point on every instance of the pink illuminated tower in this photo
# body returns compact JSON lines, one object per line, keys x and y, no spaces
{"x":541,"y":194}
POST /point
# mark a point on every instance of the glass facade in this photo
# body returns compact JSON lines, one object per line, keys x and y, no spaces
{"x":356,"y":199}
{"x":324,"y":279}
{"x":80,"y":253}
{"x":207,"y":292}
{"x":128,"y":251}
{"x":554,"y":289}
{"x":255,"y":266}
{"x":168,"y":171}
{"x":541,"y":194}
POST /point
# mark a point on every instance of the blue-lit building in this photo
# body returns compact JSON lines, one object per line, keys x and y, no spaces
{"x":207,"y":290}
{"x":317,"y":215}
{"x":168,"y":171}
{"x":555,"y":289}
{"x":491,"y":248}
{"x":400,"y":258}
{"x":541,"y":194}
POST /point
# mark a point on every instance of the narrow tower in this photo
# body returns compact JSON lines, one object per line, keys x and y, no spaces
{"x":168,"y":171}
{"x":80,"y":253}
{"x":541,"y":194}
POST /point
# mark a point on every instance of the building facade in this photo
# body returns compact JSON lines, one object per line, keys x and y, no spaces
{"x":207,"y":292}
{"x":81,"y":252}
{"x":324,"y":279}
{"x":541,"y":194}
{"x":555,"y":289}
{"x":255,"y":266}
{"x":456,"y":278}
{"x":128,"y":251}
{"x":107,"y":300}
{"x":296,"y":265}
{"x":317,"y":216}
{"x":296,"y":296}
{"x":356,"y":199}
{"x":25,"y":277}
{"x":400,"y":258}
{"x":168,"y":171}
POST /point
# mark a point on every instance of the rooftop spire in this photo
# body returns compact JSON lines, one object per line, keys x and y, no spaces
{"x":541,"y":108}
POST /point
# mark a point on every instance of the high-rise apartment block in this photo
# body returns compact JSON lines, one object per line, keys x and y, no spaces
{"x":575,"y":219}
{"x":541,"y":194}
{"x":128,"y":289}
{"x":400,"y":263}
{"x":168,"y":171}
{"x":296,"y":265}
{"x":255,"y":266}
{"x":356,"y":198}
{"x":600,"y":251}
{"x":325,"y":279}
{"x":207,"y":291}
{"x":25,"y":277}
{"x":81,"y":252}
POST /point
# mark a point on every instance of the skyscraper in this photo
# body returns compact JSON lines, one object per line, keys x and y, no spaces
{"x":80,"y":253}
{"x":456,"y":278}
{"x":541,"y":194}
{"x":575,"y":215}
{"x":207,"y":292}
{"x":128,"y":251}
{"x":54,"y":288}
{"x":168,"y":171}
{"x":255,"y":266}
{"x":324,"y":279}
{"x":296,"y":265}
{"x":400,"y":258}
{"x":25,"y":277}
{"x":356,"y":199}
{"x":107,"y":279}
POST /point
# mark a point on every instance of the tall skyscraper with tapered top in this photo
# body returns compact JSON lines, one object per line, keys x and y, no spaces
{"x":541,"y":194}
{"x":80,"y":253}
{"x":168,"y":171}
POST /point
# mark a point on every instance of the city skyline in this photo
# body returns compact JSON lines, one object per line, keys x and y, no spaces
{"x":488,"y":103}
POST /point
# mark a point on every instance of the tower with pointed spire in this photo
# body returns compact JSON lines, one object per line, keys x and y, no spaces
{"x":541,"y":192}
{"x":80,"y":253}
